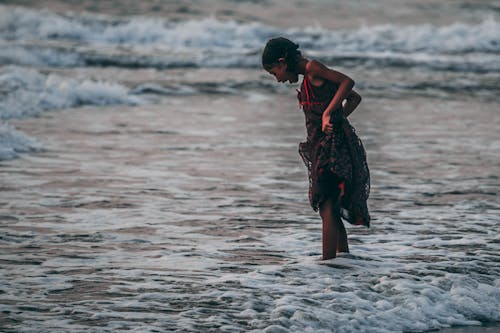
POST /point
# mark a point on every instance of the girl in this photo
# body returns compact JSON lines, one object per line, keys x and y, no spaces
{"x":339,"y":179}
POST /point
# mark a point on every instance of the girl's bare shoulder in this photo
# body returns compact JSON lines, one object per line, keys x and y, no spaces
{"x":315,"y":72}
{"x":316,"y":69}
{"x":314,"y":66}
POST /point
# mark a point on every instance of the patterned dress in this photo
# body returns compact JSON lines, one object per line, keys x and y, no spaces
{"x":336,"y":162}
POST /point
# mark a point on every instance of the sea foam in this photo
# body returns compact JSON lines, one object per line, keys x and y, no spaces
{"x":25,"y":24}
{"x":13,"y":142}
{"x":27,"y":92}
{"x":39,"y":38}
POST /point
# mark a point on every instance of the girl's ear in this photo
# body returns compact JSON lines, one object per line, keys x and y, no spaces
{"x":282,"y":62}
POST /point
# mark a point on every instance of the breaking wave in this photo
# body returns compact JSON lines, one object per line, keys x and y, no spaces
{"x":27,"y":92}
{"x":39,"y":38}
{"x":13,"y":142}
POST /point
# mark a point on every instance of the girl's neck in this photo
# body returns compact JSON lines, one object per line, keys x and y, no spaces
{"x":301,"y":66}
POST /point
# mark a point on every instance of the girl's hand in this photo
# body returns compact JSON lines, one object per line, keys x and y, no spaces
{"x":326,"y":126}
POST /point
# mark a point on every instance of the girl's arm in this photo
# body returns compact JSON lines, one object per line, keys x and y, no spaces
{"x":351,"y":103}
{"x":317,"y":70}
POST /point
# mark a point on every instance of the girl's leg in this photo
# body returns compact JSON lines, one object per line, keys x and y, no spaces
{"x":342,"y":244}
{"x":330,"y":229}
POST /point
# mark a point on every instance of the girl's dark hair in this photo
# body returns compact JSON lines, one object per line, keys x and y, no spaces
{"x":281,"y":47}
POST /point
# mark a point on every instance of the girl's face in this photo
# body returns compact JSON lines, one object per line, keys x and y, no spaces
{"x":281,"y":74}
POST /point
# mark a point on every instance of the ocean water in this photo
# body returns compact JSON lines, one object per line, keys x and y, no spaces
{"x":150,"y":180}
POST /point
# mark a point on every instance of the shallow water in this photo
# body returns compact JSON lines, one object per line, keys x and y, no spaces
{"x":193,"y":216}
{"x":150,"y":180}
